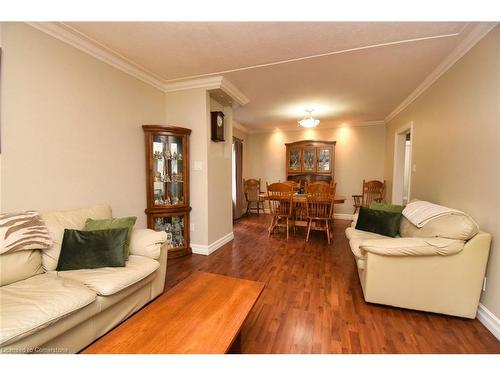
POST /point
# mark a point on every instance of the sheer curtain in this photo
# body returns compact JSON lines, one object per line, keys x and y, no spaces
{"x":237,"y":178}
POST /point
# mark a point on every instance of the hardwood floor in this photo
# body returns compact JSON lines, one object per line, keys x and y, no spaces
{"x":313,"y":303}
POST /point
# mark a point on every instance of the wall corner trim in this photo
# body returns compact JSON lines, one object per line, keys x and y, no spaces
{"x":209,"y":249}
{"x":478,"y":32}
{"x":489,"y":320}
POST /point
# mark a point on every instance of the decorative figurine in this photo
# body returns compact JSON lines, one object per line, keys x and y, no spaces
{"x":167,"y":154}
{"x":174,"y":156}
{"x":179,"y":156}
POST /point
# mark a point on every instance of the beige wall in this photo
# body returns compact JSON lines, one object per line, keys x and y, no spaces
{"x":456,"y":145}
{"x":188,"y":109}
{"x":210,"y":190}
{"x":71,"y":127}
{"x":220,"y":206}
{"x":359,"y":154}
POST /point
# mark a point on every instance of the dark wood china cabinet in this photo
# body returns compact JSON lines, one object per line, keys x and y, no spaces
{"x":310,"y":161}
{"x":167,"y":185}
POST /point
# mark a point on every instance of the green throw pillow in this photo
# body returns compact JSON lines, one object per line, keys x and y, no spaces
{"x":92,"y":249}
{"x":120,"y":222}
{"x":378,"y":221}
{"x":386,"y":207}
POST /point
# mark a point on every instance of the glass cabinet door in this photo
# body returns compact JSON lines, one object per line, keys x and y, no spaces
{"x":168,"y":170}
{"x":325,"y":159}
{"x":175,"y":227}
{"x":309,"y":164}
{"x":294,"y":160}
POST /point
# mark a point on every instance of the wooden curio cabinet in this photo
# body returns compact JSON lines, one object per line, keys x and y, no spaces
{"x":167,"y":185}
{"x":310,"y":161}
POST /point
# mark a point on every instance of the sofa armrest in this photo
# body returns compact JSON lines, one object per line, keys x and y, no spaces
{"x":147,"y":242}
{"x":412,"y":246}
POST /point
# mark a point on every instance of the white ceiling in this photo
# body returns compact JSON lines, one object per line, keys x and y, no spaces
{"x":365,"y":71}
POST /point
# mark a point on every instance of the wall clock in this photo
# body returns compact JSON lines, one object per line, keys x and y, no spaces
{"x":217,"y":120}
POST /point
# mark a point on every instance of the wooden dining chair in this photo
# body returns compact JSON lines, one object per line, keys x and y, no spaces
{"x":280,"y":196}
{"x":251,"y":188}
{"x":318,"y":187}
{"x":320,"y":212}
{"x":373,"y":191}
{"x":294,"y":184}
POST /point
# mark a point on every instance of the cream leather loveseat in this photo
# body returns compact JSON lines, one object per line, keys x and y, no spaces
{"x":43,"y":310}
{"x":438,"y":268}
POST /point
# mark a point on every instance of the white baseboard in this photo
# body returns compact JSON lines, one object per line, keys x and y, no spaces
{"x":209,"y":249}
{"x":489,"y":320}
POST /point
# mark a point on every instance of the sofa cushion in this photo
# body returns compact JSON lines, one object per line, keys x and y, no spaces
{"x":147,"y":242}
{"x":411,"y":246}
{"x":23,"y":231}
{"x":377,"y":221}
{"x":351,"y":232}
{"x":110,"y":280}
{"x":19,"y":265}
{"x":386,"y":207}
{"x":83,"y":249}
{"x":57,"y":221}
{"x":119,"y":222}
{"x":453,"y":226}
{"x":32,"y":304}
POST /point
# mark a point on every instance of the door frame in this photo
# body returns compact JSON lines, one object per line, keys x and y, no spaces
{"x":399,"y":163}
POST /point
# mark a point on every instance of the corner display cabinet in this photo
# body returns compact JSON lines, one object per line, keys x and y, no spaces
{"x":310,"y":161}
{"x":167,"y":185}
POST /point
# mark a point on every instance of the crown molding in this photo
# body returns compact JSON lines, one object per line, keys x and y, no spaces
{"x":320,"y":127}
{"x":478,"y":32}
{"x":65,"y":34}
{"x":74,"y":38}
{"x":234,"y":92}
{"x":209,"y":83}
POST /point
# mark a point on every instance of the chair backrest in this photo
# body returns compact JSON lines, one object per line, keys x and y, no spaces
{"x":294,"y":184}
{"x":251,"y":188}
{"x":333,"y":188}
{"x":319,"y":206}
{"x":373,"y":191}
{"x":318,"y":187}
{"x":280,"y":197}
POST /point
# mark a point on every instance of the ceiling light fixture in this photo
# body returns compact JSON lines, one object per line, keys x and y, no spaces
{"x":308,"y":121}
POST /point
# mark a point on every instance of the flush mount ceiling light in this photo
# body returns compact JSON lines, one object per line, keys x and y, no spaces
{"x":308,"y":121}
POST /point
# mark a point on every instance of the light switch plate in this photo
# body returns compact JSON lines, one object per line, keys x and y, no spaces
{"x":197,"y":166}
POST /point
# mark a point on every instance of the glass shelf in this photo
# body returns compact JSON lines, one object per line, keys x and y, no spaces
{"x":168,"y":167}
{"x":174,"y":226}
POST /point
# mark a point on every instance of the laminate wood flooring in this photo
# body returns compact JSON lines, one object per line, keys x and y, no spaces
{"x":313,"y":302}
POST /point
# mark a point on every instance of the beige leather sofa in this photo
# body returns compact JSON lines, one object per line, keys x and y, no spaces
{"x":46,"y":311}
{"x":438,"y":268}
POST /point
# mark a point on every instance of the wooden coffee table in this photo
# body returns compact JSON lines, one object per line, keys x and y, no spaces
{"x":202,"y":314}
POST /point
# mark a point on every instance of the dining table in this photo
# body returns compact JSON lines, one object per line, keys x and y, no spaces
{"x":301,"y":198}
{"x":300,"y":201}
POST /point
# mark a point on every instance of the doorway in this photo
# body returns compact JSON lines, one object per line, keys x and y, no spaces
{"x":237,"y":177}
{"x":401,"y":181}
